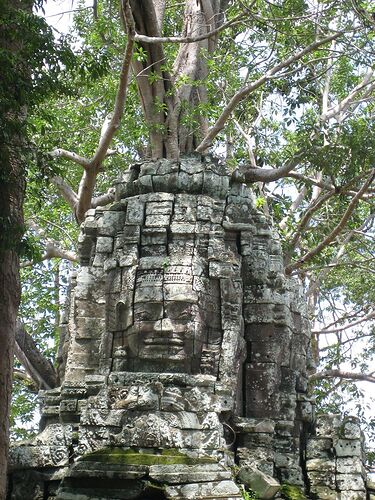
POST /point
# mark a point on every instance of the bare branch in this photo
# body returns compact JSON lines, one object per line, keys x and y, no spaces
{"x":87,"y":184}
{"x":187,"y":39}
{"x":69,"y":155}
{"x":36,"y":365}
{"x":26,"y":379}
{"x":118,"y":111}
{"x":309,"y":255}
{"x":103,"y":199}
{"x":268,"y":174}
{"x":294,"y":206}
{"x":247,"y":90}
{"x":320,"y":183}
{"x":345,"y":103}
{"x":247,"y":138}
{"x":342,"y":375}
{"x":53,"y":248}
{"x":66,"y":191}
{"x":345,"y":327}
{"x":53,"y":251}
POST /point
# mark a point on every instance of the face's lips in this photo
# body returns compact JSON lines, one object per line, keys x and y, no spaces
{"x":164,"y":341}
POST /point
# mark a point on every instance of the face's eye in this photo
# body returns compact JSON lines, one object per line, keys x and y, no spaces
{"x":179,"y":310}
{"x":148,"y":311}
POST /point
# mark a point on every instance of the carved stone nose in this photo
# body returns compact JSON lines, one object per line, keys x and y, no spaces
{"x":165,"y":325}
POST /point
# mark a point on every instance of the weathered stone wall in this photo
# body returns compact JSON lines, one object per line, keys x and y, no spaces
{"x":188,"y":350}
{"x":335,"y":459}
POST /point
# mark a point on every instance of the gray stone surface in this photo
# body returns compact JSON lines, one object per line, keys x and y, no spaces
{"x":263,"y":485}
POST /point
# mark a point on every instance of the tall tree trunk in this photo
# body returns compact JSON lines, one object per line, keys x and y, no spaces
{"x":11,"y":197}
{"x":12,"y":175}
{"x":163,"y":102}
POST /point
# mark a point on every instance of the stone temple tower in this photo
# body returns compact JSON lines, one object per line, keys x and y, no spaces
{"x":187,"y":352}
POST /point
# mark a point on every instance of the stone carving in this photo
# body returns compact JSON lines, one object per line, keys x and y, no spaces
{"x":188,"y":352}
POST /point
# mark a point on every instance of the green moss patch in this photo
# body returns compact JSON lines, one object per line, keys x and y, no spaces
{"x":121,"y":456}
{"x":292,"y":492}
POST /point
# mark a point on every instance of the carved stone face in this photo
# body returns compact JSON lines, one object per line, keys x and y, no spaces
{"x":163,"y":329}
{"x":170,"y":327}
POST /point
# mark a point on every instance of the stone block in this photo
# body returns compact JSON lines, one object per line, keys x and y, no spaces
{"x":350,"y":428}
{"x":104,"y":244}
{"x":89,"y":328}
{"x":327,"y":425}
{"x":265,"y":486}
{"x":151,"y":236}
{"x":159,"y":208}
{"x":251,"y":425}
{"x":292,"y":475}
{"x":129,"y":257}
{"x":268,"y":352}
{"x":319,"y":448}
{"x":145,"y":184}
{"x":180,"y":474}
{"x":109,"y":264}
{"x":157,"y":221}
{"x":226,"y":489}
{"x":351,"y":481}
{"x":325,"y":493}
{"x":135,"y":212}
{"x":100,"y":470}
{"x":322,"y":478}
{"x":286,"y":460}
{"x":321,"y":464}
{"x":254,"y":440}
{"x":110,"y":222}
{"x":348,"y":448}
{"x":350,"y":465}
{"x":355,"y":495}
{"x":259,"y":458}
{"x":68,"y":406}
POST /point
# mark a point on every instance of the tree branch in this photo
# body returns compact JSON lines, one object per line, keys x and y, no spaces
{"x":341,"y":374}
{"x":187,"y":39}
{"x":309,"y":180}
{"x":36,"y":365}
{"x":118,"y":110}
{"x":28,"y":381}
{"x":248,"y":175}
{"x":52,"y":251}
{"x":345,"y":327}
{"x":309,"y":255}
{"x":66,"y":191}
{"x":345,"y":103}
{"x":53,"y":248}
{"x":103,"y":199}
{"x":69,"y":155}
{"x":245,"y":91}
{"x":88,"y":181}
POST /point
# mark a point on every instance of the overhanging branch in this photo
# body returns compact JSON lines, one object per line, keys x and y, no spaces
{"x":348,"y":212}
{"x":36,"y":365}
{"x":187,"y":39}
{"x":247,"y":90}
{"x":342,"y":375}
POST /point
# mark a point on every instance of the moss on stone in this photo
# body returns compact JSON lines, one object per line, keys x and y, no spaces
{"x":292,"y":492}
{"x":121,"y":456}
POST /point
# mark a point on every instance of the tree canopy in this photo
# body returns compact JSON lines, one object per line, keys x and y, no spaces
{"x":282,"y":90}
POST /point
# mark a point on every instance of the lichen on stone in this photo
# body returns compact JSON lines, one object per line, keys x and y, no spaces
{"x":123,"y":456}
{"x":292,"y":492}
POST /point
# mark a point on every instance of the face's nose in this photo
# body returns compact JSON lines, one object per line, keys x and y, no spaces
{"x":163,"y":326}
